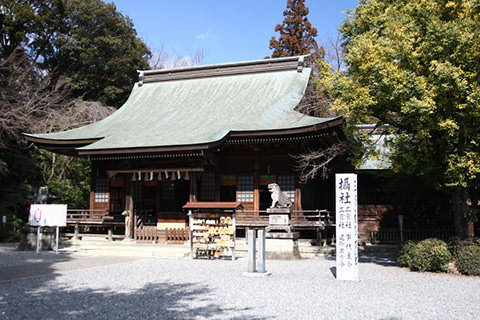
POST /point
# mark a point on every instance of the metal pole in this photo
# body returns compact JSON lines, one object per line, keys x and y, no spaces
{"x":38,"y":240}
{"x":251,"y":250}
{"x":261,"y":251}
{"x":56,"y":240}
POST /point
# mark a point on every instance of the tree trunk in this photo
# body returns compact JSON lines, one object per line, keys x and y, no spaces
{"x":459,"y":209}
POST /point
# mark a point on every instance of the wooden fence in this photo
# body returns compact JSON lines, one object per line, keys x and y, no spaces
{"x":393,"y":234}
{"x":176,"y":235}
{"x":146,"y":234}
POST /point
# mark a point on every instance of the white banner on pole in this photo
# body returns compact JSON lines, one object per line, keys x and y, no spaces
{"x":48,"y":215}
{"x":346,"y":226}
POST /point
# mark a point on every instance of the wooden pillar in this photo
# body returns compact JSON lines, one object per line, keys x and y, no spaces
{"x":256,"y":192}
{"x":298,"y":198}
{"x":129,"y":219}
{"x":256,"y":181}
{"x":92,"y":199}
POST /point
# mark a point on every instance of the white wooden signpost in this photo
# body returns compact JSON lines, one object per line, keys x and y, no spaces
{"x":346,"y":226}
{"x":48,"y":215}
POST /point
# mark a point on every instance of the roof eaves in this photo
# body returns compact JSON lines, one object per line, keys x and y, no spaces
{"x":51,"y":141}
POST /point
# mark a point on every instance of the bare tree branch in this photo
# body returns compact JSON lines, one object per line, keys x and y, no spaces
{"x":334,"y":52}
{"x":315,"y":162}
{"x":161,"y":59}
{"x":29,"y":103}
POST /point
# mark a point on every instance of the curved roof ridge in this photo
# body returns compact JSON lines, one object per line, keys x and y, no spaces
{"x":226,"y":64}
{"x":222,"y":69}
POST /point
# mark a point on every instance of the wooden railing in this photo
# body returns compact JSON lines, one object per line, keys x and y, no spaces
{"x":176,"y":235}
{"x":86,"y":216}
{"x":299,"y":218}
{"x":308,"y":218}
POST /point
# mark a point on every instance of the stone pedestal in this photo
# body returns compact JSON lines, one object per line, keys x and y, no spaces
{"x":29,"y":239}
{"x":281,"y":239}
{"x":282,"y":248}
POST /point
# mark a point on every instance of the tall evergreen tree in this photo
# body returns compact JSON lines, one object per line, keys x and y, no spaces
{"x":99,"y":53}
{"x":297,"y":36}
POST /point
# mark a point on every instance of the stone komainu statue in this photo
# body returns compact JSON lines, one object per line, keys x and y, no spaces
{"x":279,"y":199}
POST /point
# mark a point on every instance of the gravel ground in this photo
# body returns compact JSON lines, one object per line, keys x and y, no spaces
{"x":86,"y":287}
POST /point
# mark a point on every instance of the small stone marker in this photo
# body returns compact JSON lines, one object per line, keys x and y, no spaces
{"x":346,"y":226}
{"x":252,"y":251}
{"x":261,"y":252}
{"x":256,"y":268}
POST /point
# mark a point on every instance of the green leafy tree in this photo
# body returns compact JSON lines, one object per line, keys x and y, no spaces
{"x":37,"y":90}
{"x":413,"y":65}
{"x":67,"y":178}
{"x":86,"y":46}
{"x":99,"y":52}
{"x":297,"y":36}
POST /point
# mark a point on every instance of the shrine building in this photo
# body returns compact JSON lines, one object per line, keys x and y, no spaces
{"x":213,"y":133}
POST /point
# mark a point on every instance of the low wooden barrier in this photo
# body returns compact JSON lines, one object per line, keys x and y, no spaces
{"x":146,"y":234}
{"x":176,"y":235}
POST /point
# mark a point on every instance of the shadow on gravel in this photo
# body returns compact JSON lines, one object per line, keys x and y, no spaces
{"x":23,"y":264}
{"x":333,"y":270}
{"x":153,"y":301}
{"x":381,"y":255}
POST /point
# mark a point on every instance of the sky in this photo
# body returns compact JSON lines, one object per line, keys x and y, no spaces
{"x":225,"y":30}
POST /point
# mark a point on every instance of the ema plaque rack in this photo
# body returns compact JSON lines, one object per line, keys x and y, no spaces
{"x":212,"y":235}
{"x":212,"y":229}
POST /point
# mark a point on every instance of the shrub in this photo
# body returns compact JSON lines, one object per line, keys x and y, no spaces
{"x":11,"y":229}
{"x":430,"y":255}
{"x":405,"y":252}
{"x":464,"y":243}
{"x":452,"y":243}
{"x":468,"y":260}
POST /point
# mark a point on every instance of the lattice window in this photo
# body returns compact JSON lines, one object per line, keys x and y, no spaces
{"x":101,"y":191}
{"x":208,"y":187}
{"x":245,"y":188}
{"x":287,"y":185}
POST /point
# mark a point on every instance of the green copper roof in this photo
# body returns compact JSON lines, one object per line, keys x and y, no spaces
{"x":183,"y":109}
